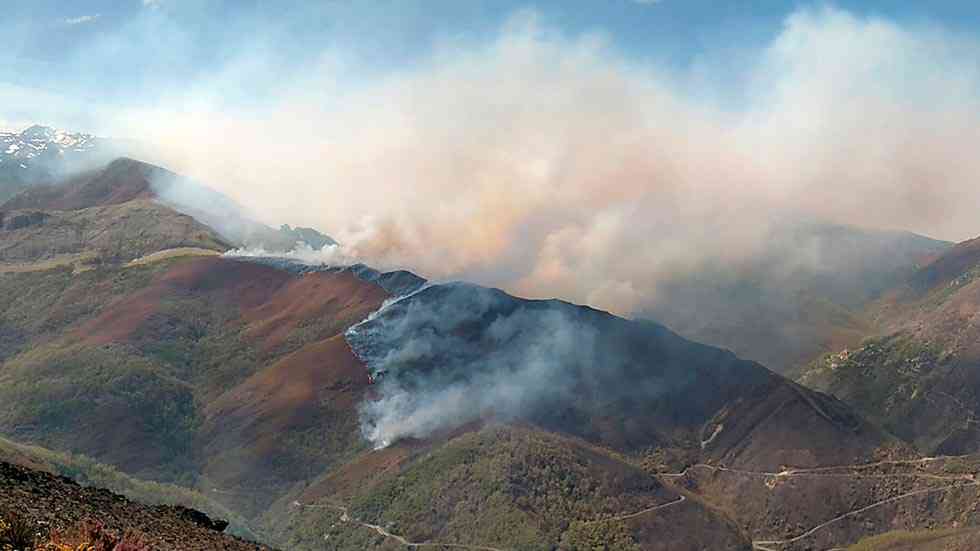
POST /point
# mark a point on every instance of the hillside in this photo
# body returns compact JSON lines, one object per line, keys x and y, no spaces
{"x":118,"y":182}
{"x":106,"y":215}
{"x":919,"y":373}
{"x":86,"y":237}
{"x":156,"y":346}
{"x":796,"y":509}
{"x":46,"y":169}
{"x":803,"y":294}
{"x":58,"y":510}
{"x":124,"y":211}
{"x":502,"y":487}
{"x":90,"y":473}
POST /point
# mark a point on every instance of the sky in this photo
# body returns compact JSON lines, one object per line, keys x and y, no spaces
{"x":586,"y":149}
{"x":92,"y":53}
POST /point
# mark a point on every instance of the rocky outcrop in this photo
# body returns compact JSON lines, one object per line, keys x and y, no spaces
{"x":54,"y":504}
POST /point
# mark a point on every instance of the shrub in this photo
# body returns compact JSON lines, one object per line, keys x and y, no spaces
{"x":94,"y":536}
{"x":16,"y":533}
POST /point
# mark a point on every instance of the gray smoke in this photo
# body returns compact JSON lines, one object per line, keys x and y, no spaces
{"x":438,"y":372}
{"x":455,"y":353}
{"x":235,"y":223}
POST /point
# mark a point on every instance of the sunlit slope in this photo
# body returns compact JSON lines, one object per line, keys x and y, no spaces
{"x":919,"y":373}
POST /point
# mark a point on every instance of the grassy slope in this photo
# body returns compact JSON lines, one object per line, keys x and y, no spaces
{"x":38,"y":306}
{"x":60,"y":395}
{"x":113,"y":233}
{"x":55,"y":381}
{"x":103,"y":216}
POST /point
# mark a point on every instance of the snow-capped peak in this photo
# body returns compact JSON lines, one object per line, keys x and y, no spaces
{"x":37,"y":140}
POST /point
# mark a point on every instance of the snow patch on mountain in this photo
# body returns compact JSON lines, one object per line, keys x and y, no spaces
{"x":43,"y":141}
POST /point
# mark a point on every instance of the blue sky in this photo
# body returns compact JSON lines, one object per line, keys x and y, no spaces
{"x":135,"y":51}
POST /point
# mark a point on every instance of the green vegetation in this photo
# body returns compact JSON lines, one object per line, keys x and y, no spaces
{"x":886,"y":378}
{"x":511,"y":471}
{"x":66,"y":393}
{"x":50,"y":391}
{"x":896,"y":359}
{"x":603,"y":536}
{"x":112,"y":234}
{"x":931,"y":298}
{"x":41,"y":304}
{"x":501,"y":486}
{"x":187,"y":351}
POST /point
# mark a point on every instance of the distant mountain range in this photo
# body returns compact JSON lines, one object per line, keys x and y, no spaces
{"x":38,"y":142}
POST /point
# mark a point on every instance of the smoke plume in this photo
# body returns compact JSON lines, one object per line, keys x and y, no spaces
{"x":555,"y":165}
{"x":443,"y":378}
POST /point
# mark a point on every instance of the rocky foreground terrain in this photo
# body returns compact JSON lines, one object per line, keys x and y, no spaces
{"x":57,"y":508}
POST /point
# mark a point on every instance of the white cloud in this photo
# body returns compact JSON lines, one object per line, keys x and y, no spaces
{"x":82,"y":19}
{"x":152,"y":4}
{"x":12,"y":126}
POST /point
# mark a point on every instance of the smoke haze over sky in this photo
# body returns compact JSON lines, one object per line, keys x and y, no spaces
{"x":585,"y":150}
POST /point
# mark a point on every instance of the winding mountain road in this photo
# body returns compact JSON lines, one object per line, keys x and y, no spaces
{"x":962,"y":481}
{"x":762,"y":545}
{"x":345,"y":517}
{"x":766,"y":545}
{"x":819,"y":473}
{"x":619,"y":518}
